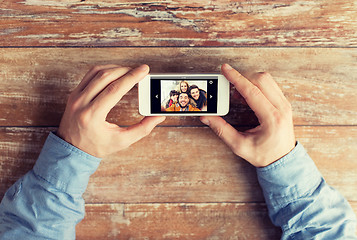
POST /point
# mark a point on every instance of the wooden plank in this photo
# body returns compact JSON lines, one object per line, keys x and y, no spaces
{"x":178,"y":23}
{"x":172,"y":165}
{"x":19,"y":148}
{"x":320,"y":83}
{"x":177,"y":221}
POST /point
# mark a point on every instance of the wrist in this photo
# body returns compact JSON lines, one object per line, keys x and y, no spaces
{"x":281,"y":156}
{"x":289,"y":176}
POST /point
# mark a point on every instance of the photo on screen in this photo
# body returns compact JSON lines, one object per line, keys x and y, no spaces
{"x":183,"y":96}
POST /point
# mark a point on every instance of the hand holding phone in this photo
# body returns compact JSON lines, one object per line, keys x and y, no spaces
{"x":184,"y":95}
{"x":274,"y":137}
{"x":84,"y":122}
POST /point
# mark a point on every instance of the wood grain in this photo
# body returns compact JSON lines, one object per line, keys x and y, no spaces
{"x":178,"y":23}
{"x":171,"y":165}
{"x":320,"y":83}
{"x":180,"y":182}
{"x":177,"y":221}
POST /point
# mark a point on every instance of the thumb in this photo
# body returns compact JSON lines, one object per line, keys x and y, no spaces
{"x":136,"y":132}
{"x":225,"y":131}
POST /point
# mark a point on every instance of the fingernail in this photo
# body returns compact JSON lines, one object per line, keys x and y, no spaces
{"x":143,"y":67}
{"x":227,"y":66}
{"x":204,"y":121}
{"x":161,"y":119}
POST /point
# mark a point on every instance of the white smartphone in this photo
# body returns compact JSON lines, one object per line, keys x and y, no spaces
{"x":184,"y":95}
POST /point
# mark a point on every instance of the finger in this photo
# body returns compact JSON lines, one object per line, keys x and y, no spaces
{"x":225,"y":131}
{"x":270,"y":89}
{"x":251,"y":93}
{"x":102,"y":79}
{"x":112,"y":94}
{"x":90,"y":74}
{"x":136,"y":132}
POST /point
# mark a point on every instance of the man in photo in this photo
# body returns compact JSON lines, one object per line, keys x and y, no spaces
{"x":183,"y":105}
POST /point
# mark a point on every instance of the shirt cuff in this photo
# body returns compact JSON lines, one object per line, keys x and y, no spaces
{"x":63,"y":165}
{"x":293,"y":176}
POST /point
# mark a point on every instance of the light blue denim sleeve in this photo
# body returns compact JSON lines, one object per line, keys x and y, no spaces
{"x":47,"y":202}
{"x":300,"y":201}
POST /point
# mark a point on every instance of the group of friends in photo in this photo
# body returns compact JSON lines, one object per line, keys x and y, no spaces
{"x":186,"y":98}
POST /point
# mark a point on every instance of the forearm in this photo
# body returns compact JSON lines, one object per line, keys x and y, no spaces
{"x":300,"y":201}
{"x":47,"y":202}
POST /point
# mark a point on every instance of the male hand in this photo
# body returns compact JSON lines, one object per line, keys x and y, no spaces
{"x":274,"y":137}
{"x":84,"y":122}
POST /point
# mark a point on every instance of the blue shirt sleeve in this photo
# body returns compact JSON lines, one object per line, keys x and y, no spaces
{"x":300,"y":201}
{"x":47,"y":202}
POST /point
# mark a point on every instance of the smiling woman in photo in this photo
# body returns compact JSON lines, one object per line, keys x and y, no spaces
{"x":199,"y":96}
{"x":184,"y":86}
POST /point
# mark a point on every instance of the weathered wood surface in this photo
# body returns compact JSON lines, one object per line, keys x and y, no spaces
{"x":178,"y":23}
{"x":180,"y":192}
{"x":170,"y":165}
{"x":177,"y":221}
{"x":320,"y":83}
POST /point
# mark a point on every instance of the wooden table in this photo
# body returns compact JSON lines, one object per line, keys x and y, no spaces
{"x":181,"y":182}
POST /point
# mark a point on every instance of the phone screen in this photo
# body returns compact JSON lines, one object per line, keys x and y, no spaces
{"x":177,"y":94}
